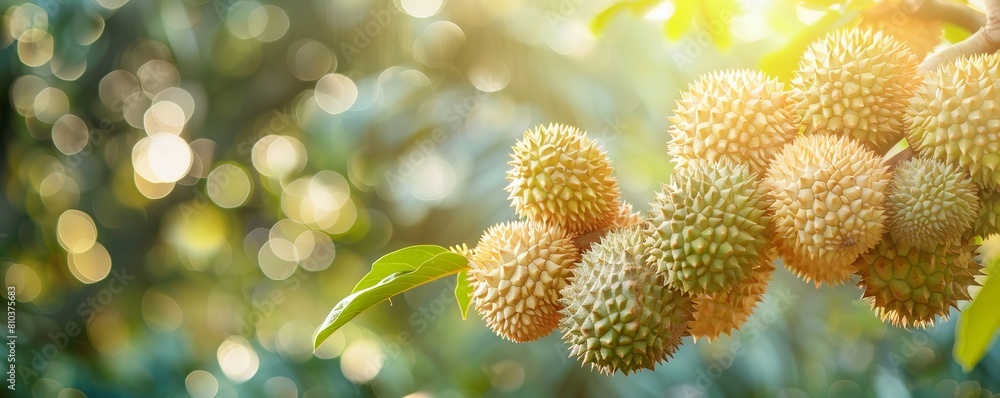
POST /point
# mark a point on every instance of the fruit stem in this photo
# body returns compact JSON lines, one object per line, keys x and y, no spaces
{"x":984,"y":40}
{"x":586,"y":240}
{"x":992,"y":28}
{"x":900,"y":157}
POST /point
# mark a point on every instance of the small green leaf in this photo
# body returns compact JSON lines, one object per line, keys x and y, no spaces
{"x":463,"y":292}
{"x":978,"y":324}
{"x":392,"y":274}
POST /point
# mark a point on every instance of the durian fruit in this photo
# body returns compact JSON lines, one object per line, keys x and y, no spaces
{"x":516,"y":273}
{"x":930,"y":203}
{"x":955,"y":117}
{"x":891,"y":17}
{"x":910,"y":286}
{"x":561,"y":177}
{"x":988,"y":221}
{"x":829,"y":205}
{"x":709,"y":226}
{"x":856,"y":83}
{"x":738,"y":115}
{"x":619,"y":314}
{"x":721,"y":313}
{"x":626,"y":216}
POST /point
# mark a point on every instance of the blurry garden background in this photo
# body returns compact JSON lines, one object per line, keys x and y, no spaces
{"x":190,"y":185}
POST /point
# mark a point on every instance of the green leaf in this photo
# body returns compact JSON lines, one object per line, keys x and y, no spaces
{"x":392,"y":274}
{"x":716,"y":17}
{"x":978,"y":324}
{"x":397,"y":261}
{"x":783,"y":62}
{"x":463,"y":292}
{"x":603,"y":18}
{"x":680,"y":23}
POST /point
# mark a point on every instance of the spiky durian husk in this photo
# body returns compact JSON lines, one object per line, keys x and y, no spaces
{"x":829,"y":205}
{"x":561,"y":177}
{"x":930,"y":203}
{"x":709,"y":226}
{"x":462,"y":249}
{"x":988,"y":221}
{"x":619,"y":315}
{"x":516,"y":272}
{"x":955,"y":117}
{"x":856,"y":83}
{"x":721,"y":313}
{"x":910,"y":286}
{"x":626,"y":216}
{"x":818,"y":272}
{"x":921,"y":35}
{"x":738,"y":115}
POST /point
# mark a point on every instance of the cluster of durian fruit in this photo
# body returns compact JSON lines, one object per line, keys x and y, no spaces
{"x":763,"y":174}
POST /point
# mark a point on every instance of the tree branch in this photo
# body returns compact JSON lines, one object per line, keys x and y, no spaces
{"x":985,"y":40}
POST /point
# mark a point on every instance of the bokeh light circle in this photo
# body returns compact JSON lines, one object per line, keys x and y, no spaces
{"x":310,"y":60}
{"x":201,"y":384}
{"x":237,"y":359}
{"x":25,"y":281}
{"x":70,"y":134}
{"x":229,"y":186}
{"x":422,"y":8}
{"x":91,"y":265}
{"x":278,"y":156}
{"x":162,"y":158}
{"x":335,"y":93}
{"x":76,"y":231}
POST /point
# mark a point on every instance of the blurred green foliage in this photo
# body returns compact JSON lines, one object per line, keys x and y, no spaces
{"x":352,"y":129}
